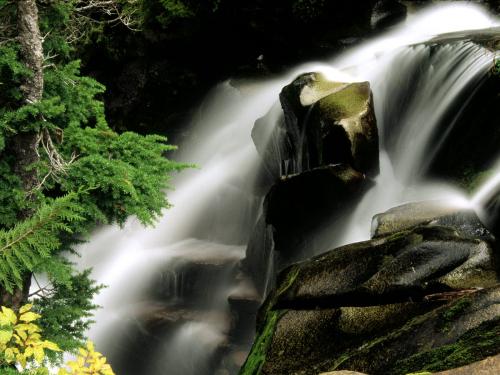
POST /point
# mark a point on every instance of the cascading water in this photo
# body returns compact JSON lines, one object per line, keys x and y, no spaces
{"x":414,"y":85}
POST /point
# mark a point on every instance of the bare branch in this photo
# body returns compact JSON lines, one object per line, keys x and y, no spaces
{"x":57,"y":165}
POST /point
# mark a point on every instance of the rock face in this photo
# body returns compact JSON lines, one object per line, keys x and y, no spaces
{"x":423,"y":295}
{"x":297,"y":212}
{"x":319,"y":150}
{"x":324,"y":123}
{"x":446,"y":213}
{"x":488,"y":366}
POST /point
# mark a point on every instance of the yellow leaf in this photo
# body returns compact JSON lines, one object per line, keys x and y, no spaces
{"x":29,"y":317}
{"x":90,"y":346}
{"x":21,"y":359}
{"x":9,"y":315}
{"x":9,"y":355}
{"x":5,"y":336}
{"x":25,"y":308}
{"x":51,"y":346}
{"x":22,"y":335}
{"x":28,"y":352}
{"x":39,"y":354}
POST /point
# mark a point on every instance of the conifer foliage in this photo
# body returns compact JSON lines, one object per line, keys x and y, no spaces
{"x":82,"y":173}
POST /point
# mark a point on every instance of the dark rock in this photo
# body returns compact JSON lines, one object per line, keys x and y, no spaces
{"x":299,"y":219}
{"x":258,"y":262}
{"x":273,"y":143}
{"x":405,"y":266}
{"x":381,"y":339}
{"x":184,"y":280}
{"x":461,"y":332}
{"x":301,"y":209}
{"x":324,"y":122}
{"x":244,"y":301}
{"x":387,"y":13}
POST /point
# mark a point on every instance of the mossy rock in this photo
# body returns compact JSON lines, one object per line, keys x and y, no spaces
{"x":393,"y":305}
{"x":324,"y":122}
{"x":392,"y":269}
{"x":435,"y":212}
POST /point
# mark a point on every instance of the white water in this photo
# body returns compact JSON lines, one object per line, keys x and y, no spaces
{"x":215,"y":204}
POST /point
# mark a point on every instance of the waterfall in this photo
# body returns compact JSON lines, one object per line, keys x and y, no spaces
{"x":215,"y":206}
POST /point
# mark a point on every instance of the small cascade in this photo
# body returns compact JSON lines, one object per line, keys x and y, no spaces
{"x":486,"y":200}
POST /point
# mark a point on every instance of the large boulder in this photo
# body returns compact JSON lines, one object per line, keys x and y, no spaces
{"x":299,"y":213}
{"x":407,"y":265}
{"x":425,"y":297}
{"x":324,"y":122}
{"x":488,"y":366}
{"x":436,"y":212}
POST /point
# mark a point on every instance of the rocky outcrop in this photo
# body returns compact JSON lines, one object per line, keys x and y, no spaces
{"x":325,"y":122}
{"x":488,"y":366}
{"x":298,"y":213}
{"x":421,"y":296}
{"x":446,"y":213}
{"x":319,"y":150}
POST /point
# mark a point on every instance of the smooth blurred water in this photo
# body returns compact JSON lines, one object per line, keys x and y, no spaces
{"x":413,"y":85}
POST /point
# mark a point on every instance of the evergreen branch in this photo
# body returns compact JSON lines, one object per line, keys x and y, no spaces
{"x":29,"y":242}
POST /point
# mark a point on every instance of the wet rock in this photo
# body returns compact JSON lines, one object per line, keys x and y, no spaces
{"x":258,"y":262}
{"x":403,"y":267}
{"x":196,"y":276}
{"x":443,"y":213}
{"x":488,"y":366}
{"x":244,"y":301}
{"x":394,"y":339}
{"x":461,"y":332}
{"x":273,"y":143}
{"x":299,"y":210}
{"x":324,"y":122}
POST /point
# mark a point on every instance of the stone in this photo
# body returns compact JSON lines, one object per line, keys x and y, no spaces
{"x":395,"y":339}
{"x":439,"y":212}
{"x":403,"y":267}
{"x":323,"y":122}
{"x":298,"y":214}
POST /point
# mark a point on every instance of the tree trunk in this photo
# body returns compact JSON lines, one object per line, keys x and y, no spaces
{"x":25,"y":144}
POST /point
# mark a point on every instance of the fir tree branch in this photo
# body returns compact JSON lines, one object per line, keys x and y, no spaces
{"x":29,"y":242}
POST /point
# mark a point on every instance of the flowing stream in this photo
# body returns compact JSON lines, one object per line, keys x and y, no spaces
{"x":182,"y":271}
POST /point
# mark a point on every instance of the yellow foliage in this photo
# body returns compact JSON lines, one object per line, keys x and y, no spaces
{"x":21,"y":343}
{"x":20,"y":339}
{"x":88,"y":362}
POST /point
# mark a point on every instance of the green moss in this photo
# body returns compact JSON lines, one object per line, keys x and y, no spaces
{"x":257,"y":356}
{"x":258,"y":353}
{"x":474,"y":346}
{"x":450,"y":315}
{"x":347,"y":102}
{"x":471,"y":179}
